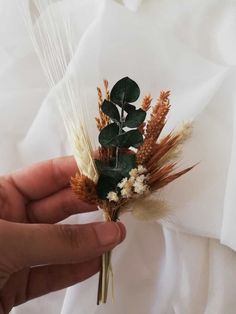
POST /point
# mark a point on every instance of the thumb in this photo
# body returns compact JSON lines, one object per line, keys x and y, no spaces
{"x":24,"y":245}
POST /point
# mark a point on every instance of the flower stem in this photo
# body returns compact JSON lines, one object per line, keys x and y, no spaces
{"x":104,"y":277}
{"x":122,"y":120}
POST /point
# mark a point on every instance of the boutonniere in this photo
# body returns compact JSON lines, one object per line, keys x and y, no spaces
{"x":132,"y":163}
{"x":133,"y":160}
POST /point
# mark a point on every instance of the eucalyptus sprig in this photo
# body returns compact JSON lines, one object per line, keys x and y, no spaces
{"x":121,"y":133}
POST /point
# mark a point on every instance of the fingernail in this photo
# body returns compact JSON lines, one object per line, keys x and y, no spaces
{"x":109,"y":233}
{"x":123,"y":231}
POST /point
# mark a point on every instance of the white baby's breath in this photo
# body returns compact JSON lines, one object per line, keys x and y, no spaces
{"x":141,"y":178}
{"x":141,"y":169}
{"x":122,"y":183}
{"x":135,"y":184}
{"x":126,"y":192}
{"x":112,"y":196}
{"x":140,"y":188}
{"x":133,"y":172}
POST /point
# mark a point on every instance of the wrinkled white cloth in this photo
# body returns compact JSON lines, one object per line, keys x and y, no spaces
{"x":186,"y":264}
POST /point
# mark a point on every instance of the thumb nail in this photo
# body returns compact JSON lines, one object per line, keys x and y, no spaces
{"x":109,"y":233}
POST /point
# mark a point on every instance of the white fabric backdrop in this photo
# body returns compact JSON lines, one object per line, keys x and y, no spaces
{"x":188,"y":47}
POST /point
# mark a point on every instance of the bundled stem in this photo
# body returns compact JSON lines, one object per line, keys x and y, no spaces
{"x":106,"y":269}
{"x":104,"y":278}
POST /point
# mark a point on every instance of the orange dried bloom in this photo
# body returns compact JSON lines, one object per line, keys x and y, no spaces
{"x":105,"y":82}
{"x":146,"y":104}
{"x":84,"y":188}
{"x":100,"y":96}
{"x":145,"y":151}
{"x":102,"y":120}
{"x":158,"y":116}
{"x":105,"y":154}
{"x":161,"y":149}
{"x":141,"y":128}
{"x":160,"y":173}
{"x":164,"y":176}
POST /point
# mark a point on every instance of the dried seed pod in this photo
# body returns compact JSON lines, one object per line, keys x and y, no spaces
{"x":146,"y":104}
{"x":158,"y":116}
{"x":145,"y":151}
{"x":102,"y":120}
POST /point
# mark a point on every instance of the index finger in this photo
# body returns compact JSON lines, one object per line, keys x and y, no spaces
{"x":45,"y":178}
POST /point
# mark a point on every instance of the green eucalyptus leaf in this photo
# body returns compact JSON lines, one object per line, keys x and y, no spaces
{"x":99,"y":165}
{"x":128,"y":107}
{"x":125,"y":90}
{"x":105,"y":185}
{"x":111,"y":110}
{"x":126,"y":162}
{"x":131,"y":138}
{"x":115,"y":173}
{"x":108,"y":134}
{"x":135,"y":118}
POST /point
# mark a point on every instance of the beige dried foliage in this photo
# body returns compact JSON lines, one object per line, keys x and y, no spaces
{"x":182,"y":135}
{"x":185,"y":131}
{"x":149,"y":208}
{"x":82,"y":150}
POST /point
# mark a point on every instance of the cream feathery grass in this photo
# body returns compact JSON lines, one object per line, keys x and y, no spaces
{"x":51,"y":33}
{"x":148,"y":208}
{"x":184,"y":132}
{"x":82,"y":150}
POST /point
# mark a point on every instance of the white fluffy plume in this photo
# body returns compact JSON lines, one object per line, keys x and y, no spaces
{"x":51,"y":34}
{"x":149,"y":208}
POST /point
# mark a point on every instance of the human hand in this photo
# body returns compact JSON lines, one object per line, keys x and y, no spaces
{"x":38,"y":256}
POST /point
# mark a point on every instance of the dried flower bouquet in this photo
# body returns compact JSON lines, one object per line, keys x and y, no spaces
{"x":132,"y":161}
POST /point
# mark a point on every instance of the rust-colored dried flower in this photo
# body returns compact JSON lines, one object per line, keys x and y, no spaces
{"x":146,"y":104}
{"x":158,"y":116}
{"x":160,"y":150}
{"x":84,"y":188}
{"x":145,"y":151}
{"x":106,"y":86}
{"x":105,"y":154}
{"x":164,"y":175}
{"x":102,"y":120}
